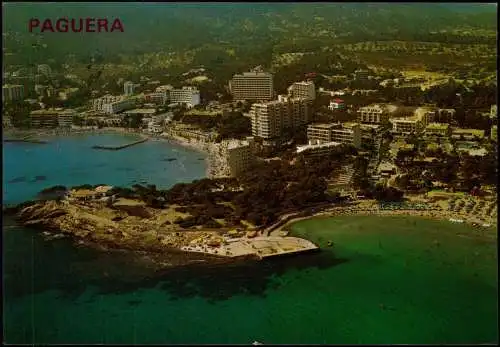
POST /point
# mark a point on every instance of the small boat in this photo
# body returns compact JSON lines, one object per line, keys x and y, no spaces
{"x":256,"y":343}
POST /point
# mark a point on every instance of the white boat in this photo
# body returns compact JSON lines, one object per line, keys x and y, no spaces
{"x":256,"y":343}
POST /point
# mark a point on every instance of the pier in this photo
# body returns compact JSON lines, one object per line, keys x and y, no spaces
{"x":263,"y":247}
{"x":26,"y":140}
{"x":116,"y":148}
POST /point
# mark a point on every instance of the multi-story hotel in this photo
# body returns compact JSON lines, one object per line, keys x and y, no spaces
{"x":128,"y":88}
{"x":12,"y":92}
{"x":52,"y":118}
{"x":65,"y":118}
{"x":375,"y":114}
{"x":159,"y":98}
{"x":239,"y":156}
{"x":439,"y":129}
{"x":118,"y":106}
{"x":415,"y":123}
{"x":269,"y":119}
{"x":256,"y":86}
{"x":190,"y":96}
{"x":305,"y":90}
{"x":111,"y":104}
{"x":347,"y":133}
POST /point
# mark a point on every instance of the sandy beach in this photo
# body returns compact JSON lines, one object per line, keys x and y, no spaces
{"x":437,"y":214}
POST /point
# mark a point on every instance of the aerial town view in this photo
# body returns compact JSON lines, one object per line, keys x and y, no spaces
{"x":250,"y":173}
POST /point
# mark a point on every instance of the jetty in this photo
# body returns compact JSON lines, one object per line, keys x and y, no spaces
{"x":263,"y":247}
{"x":116,"y":148}
{"x":26,"y":140}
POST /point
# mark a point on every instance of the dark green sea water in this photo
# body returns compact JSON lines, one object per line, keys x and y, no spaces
{"x":386,"y":280}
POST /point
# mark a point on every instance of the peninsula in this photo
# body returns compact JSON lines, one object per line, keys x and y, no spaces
{"x":102,"y":217}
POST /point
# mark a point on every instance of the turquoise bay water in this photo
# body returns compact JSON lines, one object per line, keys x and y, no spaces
{"x":386,"y":280}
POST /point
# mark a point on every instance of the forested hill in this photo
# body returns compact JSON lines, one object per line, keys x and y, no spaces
{"x":179,"y":26}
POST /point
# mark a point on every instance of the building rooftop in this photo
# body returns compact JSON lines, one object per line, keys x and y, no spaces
{"x":474,"y":132}
{"x":323,"y":125}
{"x":141,"y":110}
{"x":438,"y":126}
{"x":303,"y":148}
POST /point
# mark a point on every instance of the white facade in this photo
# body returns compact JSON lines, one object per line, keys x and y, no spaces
{"x":252,"y":86}
{"x":117,"y":106}
{"x":128,"y":88}
{"x":317,"y":149}
{"x":414,"y":124}
{"x":375,"y":114}
{"x":493,"y":111}
{"x":187,"y":95}
{"x":305,"y":90}
{"x":348,"y":133}
{"x":269,"y":119}
{"x":12,"y":92}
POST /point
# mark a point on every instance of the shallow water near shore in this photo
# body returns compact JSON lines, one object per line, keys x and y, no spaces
{"x":385,"y":280}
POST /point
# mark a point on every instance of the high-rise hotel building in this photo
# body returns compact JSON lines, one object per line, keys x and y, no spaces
{"x":269,"y":119}
{"x":256,"y":86}
{"x":305,"y":89}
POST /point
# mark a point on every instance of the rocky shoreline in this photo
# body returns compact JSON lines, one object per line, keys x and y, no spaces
{"x":116,"y":229}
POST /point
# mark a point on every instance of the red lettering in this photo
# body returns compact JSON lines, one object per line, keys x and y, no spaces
{"x":117,"y":25}
{"x":62,"y":25}
{"x":102,"y":23}
{"x":33,"y":24}
{"x":47,"y":25}
{"x":73,"y":25}
{"x":89,"y":25}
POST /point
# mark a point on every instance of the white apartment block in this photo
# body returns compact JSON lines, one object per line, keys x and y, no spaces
{"x":256,"y":86}
{"x":117,"y":106}
{"x":190,"y":96}
{"x":12,"y":92}
{"x":375,"y":114}
{"x":305,"y":90}
{"x":493,"y":111}
{"x":316,"y":149}
{"x":494,"y":133}
{"x":269,"y":119}
{"x":347,"y":133}
{"x":415,"y":123}
{"x":128,"y":88}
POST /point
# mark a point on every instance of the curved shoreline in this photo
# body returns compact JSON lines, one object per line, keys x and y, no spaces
{"x":490,"y":233}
